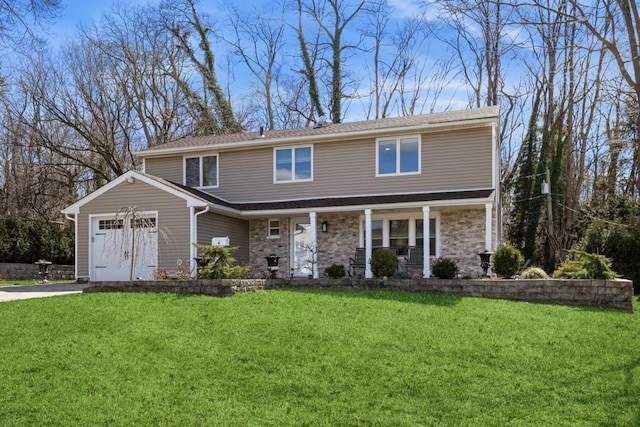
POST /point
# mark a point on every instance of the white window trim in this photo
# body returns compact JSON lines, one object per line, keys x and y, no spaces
{"x":293,"y":164}
{"x":184,"y":170}
{"x":412,"y":217}
{"x":397,"y":139}
{"x":269,"y":236}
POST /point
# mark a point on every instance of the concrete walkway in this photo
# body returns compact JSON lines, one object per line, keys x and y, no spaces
{"x":10,"y":293}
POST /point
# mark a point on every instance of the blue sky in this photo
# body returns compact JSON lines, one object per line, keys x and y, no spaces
{"x":75,"y":12}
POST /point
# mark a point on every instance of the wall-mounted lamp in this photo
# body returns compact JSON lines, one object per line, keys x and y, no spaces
{"x":324,"y":226}
{"x":131,"y":180}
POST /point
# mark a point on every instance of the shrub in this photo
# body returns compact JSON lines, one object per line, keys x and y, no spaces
{"x":534,"y":273}
{"x":585,"y":265}
{"x":335,"y":271}
{"x":444,"y":268}
{"x":29,"y":241}
{"x":507,"y":260}
{"x":383,"y":263}
{"x":217,"y":262}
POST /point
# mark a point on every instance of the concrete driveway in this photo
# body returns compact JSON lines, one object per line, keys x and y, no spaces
{"x":10,"y":293}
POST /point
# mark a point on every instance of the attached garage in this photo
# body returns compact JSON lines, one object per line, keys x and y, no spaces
{"x":135,"y":226}
{"x":139,"y":226}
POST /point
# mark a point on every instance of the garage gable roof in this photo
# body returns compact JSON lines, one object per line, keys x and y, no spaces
{"x":190,"y":198}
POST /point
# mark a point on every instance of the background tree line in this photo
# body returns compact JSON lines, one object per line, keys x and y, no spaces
{"x":566,"y":74}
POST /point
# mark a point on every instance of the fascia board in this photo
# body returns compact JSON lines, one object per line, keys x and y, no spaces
{"x":75,"y":208}
{"x":358,"y":208}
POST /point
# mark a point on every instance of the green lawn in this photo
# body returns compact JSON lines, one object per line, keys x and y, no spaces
{"x":332,"y":358}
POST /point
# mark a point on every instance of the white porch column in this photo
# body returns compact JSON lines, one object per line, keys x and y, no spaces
{"x":426,"y":242}
{"x":313,"y":220}
{"x":368,"y":243}
{"x":488,"y":233}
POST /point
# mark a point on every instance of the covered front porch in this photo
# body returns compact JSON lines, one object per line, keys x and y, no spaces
{"x":308,"y":241}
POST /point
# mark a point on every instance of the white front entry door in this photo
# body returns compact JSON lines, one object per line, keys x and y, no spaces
{"x":301,"y":245}
{"x":119,"y":245}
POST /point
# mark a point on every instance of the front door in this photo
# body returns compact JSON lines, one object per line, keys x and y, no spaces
{"x":301,"y":248}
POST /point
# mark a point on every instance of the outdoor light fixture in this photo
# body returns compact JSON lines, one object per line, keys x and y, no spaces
{"x":131,"y":180}
{"x":325,"y":226}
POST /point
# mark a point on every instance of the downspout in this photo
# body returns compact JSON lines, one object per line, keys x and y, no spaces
{"x":194,"y":237}
{"x":75,"y":242}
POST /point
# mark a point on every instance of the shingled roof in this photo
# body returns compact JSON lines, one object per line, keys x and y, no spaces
{"x":339,"y":201}
{"x":328,"y":130}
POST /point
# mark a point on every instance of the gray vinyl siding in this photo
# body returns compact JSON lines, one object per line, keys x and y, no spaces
{"x":215,"y":225}
{"x":169,"y":168}
{"x":452,"y":160}
{"x":173,"y":221}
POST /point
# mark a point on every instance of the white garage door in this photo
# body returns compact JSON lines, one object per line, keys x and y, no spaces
{"x":119,"y":245}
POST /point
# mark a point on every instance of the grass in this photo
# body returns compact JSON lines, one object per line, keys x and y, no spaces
{"x":328,"y":358}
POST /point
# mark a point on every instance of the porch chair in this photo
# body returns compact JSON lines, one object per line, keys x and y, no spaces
{"x":360,"y":261}
{"x":415,"y":258}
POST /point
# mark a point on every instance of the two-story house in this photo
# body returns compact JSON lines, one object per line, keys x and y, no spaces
{"x":310,"y":196}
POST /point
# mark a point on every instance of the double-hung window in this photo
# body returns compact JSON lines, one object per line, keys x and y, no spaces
{"x":293,"y":164}
{"x":432,"y":234}
{"x":401,"y":233}
{"x":398,"y":156}
{"x":201,"y":172}
{"x":273,"y":229}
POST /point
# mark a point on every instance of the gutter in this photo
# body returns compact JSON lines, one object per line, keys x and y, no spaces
{"x":194,"y":238}
{"x":74,"y":218}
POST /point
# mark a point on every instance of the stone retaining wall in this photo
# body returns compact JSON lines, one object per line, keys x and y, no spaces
{"x":16,"y":271}
{"x":615,"y":294}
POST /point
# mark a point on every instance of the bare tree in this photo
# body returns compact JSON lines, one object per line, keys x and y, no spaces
{"x":332,"y":18}
{"x":479,"y":39}
{"x":23,"y":21}
{"x":616,"y":24}
{"x":397,"y":75}
{"x":257,"y":39}
{"x":145,"y":58}
{"x":211,"y":106}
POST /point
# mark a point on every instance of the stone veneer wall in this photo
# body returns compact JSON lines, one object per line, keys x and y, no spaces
{"x":615,"y":294}
{"x":340,"y":242}
{"x":18,"y":271}
{"x":462,"y":238}
{"x":260,"y":246}
{"x":335,"y":246}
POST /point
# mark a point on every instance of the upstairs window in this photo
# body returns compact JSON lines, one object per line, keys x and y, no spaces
{"x":292,"y":164}
{"x":201,"y":172}
{"x":398,"y":156}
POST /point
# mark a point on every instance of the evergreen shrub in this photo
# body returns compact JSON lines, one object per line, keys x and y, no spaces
{"x":534,"y":273}
{"x":383,"y":263}
{"x":444,"y":268}
{"x":28,"y":241}
{"x":335,"y":271}
{"x":507,"y":261}
{"x":584,"y":265}
{"x":217,"y":262}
